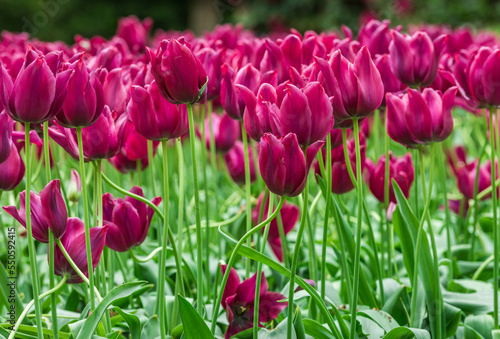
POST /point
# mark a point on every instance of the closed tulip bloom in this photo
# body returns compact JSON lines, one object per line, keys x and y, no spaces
{"x":414,"y":59}
{"x":400,"y":169}
{"x":357,"y":87}
{"x":225,"y":131}
{"x":155,"y":118}
{"x":289,"y":216}
{"x":466,"y":178}
{"x":283,"y":165}
{"x":483,"y":77}
{"x":134,"y":146}
{"x":11,"y":170}
{"x":116,"y":95}
{"x":102,"y":140}
{"x":211,"y":59}
{"x":235,"y":163}
{"x":238,"y":301}
{"x":38,"y":92}
{"x":134,"y":32}
{"x":128,"y":220}
{"x":391,"y":83}
{"x":73,"y":242}
{"x":85,"y":98}
{"x":5,"y":136}
{"x":376,"y":36}
{"x":178,"y":72}
{"x":48,"y":211}
{"x":125,"y":165}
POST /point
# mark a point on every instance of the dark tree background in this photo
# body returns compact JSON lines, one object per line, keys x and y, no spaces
{"x":62,"y":19}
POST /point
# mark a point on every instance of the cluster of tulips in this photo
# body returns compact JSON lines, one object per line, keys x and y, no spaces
{"x":257,"y":113}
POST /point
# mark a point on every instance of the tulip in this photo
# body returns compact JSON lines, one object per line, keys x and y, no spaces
{"x":289,"y":216}
{"x":102,"y":140}
{"x":466,"y":178}
{"x":73,"y":242}
{"x":128,"y":220}
{"x":341,"y":181}
{"x":5,"y":136}
{"x":283,"y":165}
{"x":414,"y":59}
{"x":48,"y":211}
{"x":38,"y":92}
{"x":391,"y":83}
{"x":357,"y":87}
{"x":134,"y":32}
{"x":483,"y":79}
{"x":426,"y":116}
{"x":238,"y":300}
{"x":155,"y":118}
{"x":11,"y":170}
{"x":85,"y":98}
{"x":232,"y":103}
{"x":134,"y":146}
{"x":125,"y":165}
{"x":211,"y":60}
{"x":400,"y":169}
{"x":115,"y":94}
{"x":179,"y":74}
{"x":235,"y":163}
{"x":74,"y":187}
{"x":376,"y":36}
{"x":225,"y":132}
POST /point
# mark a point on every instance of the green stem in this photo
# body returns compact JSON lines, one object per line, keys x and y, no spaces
{"x":29,"y":229}
{"x":248,"y":192}
{"x":139,"y":169}
{"x":215,"y":173}
{"x":161,"y":301}
{"x":256,"y":327}
{"x":145,"y":259}
{"x":232,"y":260}
{"x":446,"y":209}
{"x":476,"y":203}
{"x":389,"y":244}
{"x":86,"y":217}
{"x":30,"y":305}
{"x":327,"y":213}
{"x":151,"y":166}
{"x":204,"y":156}
{"x":53,"y":299}
{"x":199,"y":260}
{"x":180,"y":216}
{"x":357,"y":253}
{"x":495,"y":221}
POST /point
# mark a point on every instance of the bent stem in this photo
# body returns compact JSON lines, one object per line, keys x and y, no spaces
{"x":199,"y":255}
{"x":357,"y":253}
{"x":256,"y":327}
{"x":53,"y":301}
{"x":31,"y":241}
{"x":86,"y":217}
{"x":248,"y":192}
{"x":232,"y":260}
{"x":145,"y":259}
{"x":30,"y":305}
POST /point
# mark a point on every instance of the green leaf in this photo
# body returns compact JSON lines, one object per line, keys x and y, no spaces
{"x":194,"y":325}
{"x":381,"y":318}
{"x":298,"y":324}
{"x":117,"y":293}
{"x":316,"y":330}
{"x":478,"y":325}
{"x":134,"y":323}
{"x":452,"y":317}
{"x":278,"y":332}
{"x":407,"y":333}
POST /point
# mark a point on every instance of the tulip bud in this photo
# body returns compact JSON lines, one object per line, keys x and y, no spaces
{"x":115,"y":94}
{"x":232,"y":103}
{"x":134,"y":32}
{"x":155,"y":118}
{"x":283,"y":165}
{"x":73,"y":241}
{"x":376,"y":36}
{"x":211,"y":60}
{"x":84,"y":101}
{"x":400,"y":169}
{"x":75,"y":186}
{"x":5,"y":136}
{"x":466,"y":178}
{"x":127,"y":220}
{"x":391,"y":83}
{"x":11,"y":170}
{"x":235,"y":162}
{"x":179,"y":74}
{"x":225,"y":132}
{"x":38,"y":92}
{"x":483,"y":78}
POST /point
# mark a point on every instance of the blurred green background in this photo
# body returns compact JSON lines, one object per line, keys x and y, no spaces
{"x":62,"y":19}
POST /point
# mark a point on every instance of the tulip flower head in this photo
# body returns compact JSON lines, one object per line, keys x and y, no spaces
{"x":238,"y":300}
{"x":11,"y":170}
{"x":225,"y":132}
{"x":235,"y":163}
{"x":5,"y":136}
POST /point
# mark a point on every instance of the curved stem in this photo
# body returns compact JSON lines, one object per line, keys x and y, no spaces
{"x":357,"y":253}
{"x":199,"y":273}
{"x":29,"y":229}
{"x":53,"y":301}
{"x":256,"y":327}
{"x":232,"y":259}
{"x":248,"y":192}
{"x":327,"y":213}
{"x":145,"y":259}
{"x":86,"y":217}
{"x":30,"y":305}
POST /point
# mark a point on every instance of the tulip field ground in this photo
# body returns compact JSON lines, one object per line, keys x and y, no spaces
{"x":229,"y":185}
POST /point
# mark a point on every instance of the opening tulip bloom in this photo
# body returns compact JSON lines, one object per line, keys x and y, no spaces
{"x":178,"y":72}
{"x":414,"y":59}
{"x":11,"y":170}
{"x":73,"y":242}
{"x":289,"y":217}
{"x":420,"y":118}
{"x":400,"y":169}
{"x":48,"y":211}
{"x":39,"y":91}
{"x":128,"y":220}
{"x":84,"y":101}
{"x":356,"y":87}
{"x":238,"y":301}
{"x":283,"y":165}
{"x":154,"y":117}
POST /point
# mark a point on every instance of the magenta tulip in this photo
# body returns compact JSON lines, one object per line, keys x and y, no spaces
{"x":225,"y":132}
{"x":11,"y":170}
{"x":134,"y":32}
{"x":5,"y":136}
{"x":235,"y":163}
{"x":466,"y":178}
